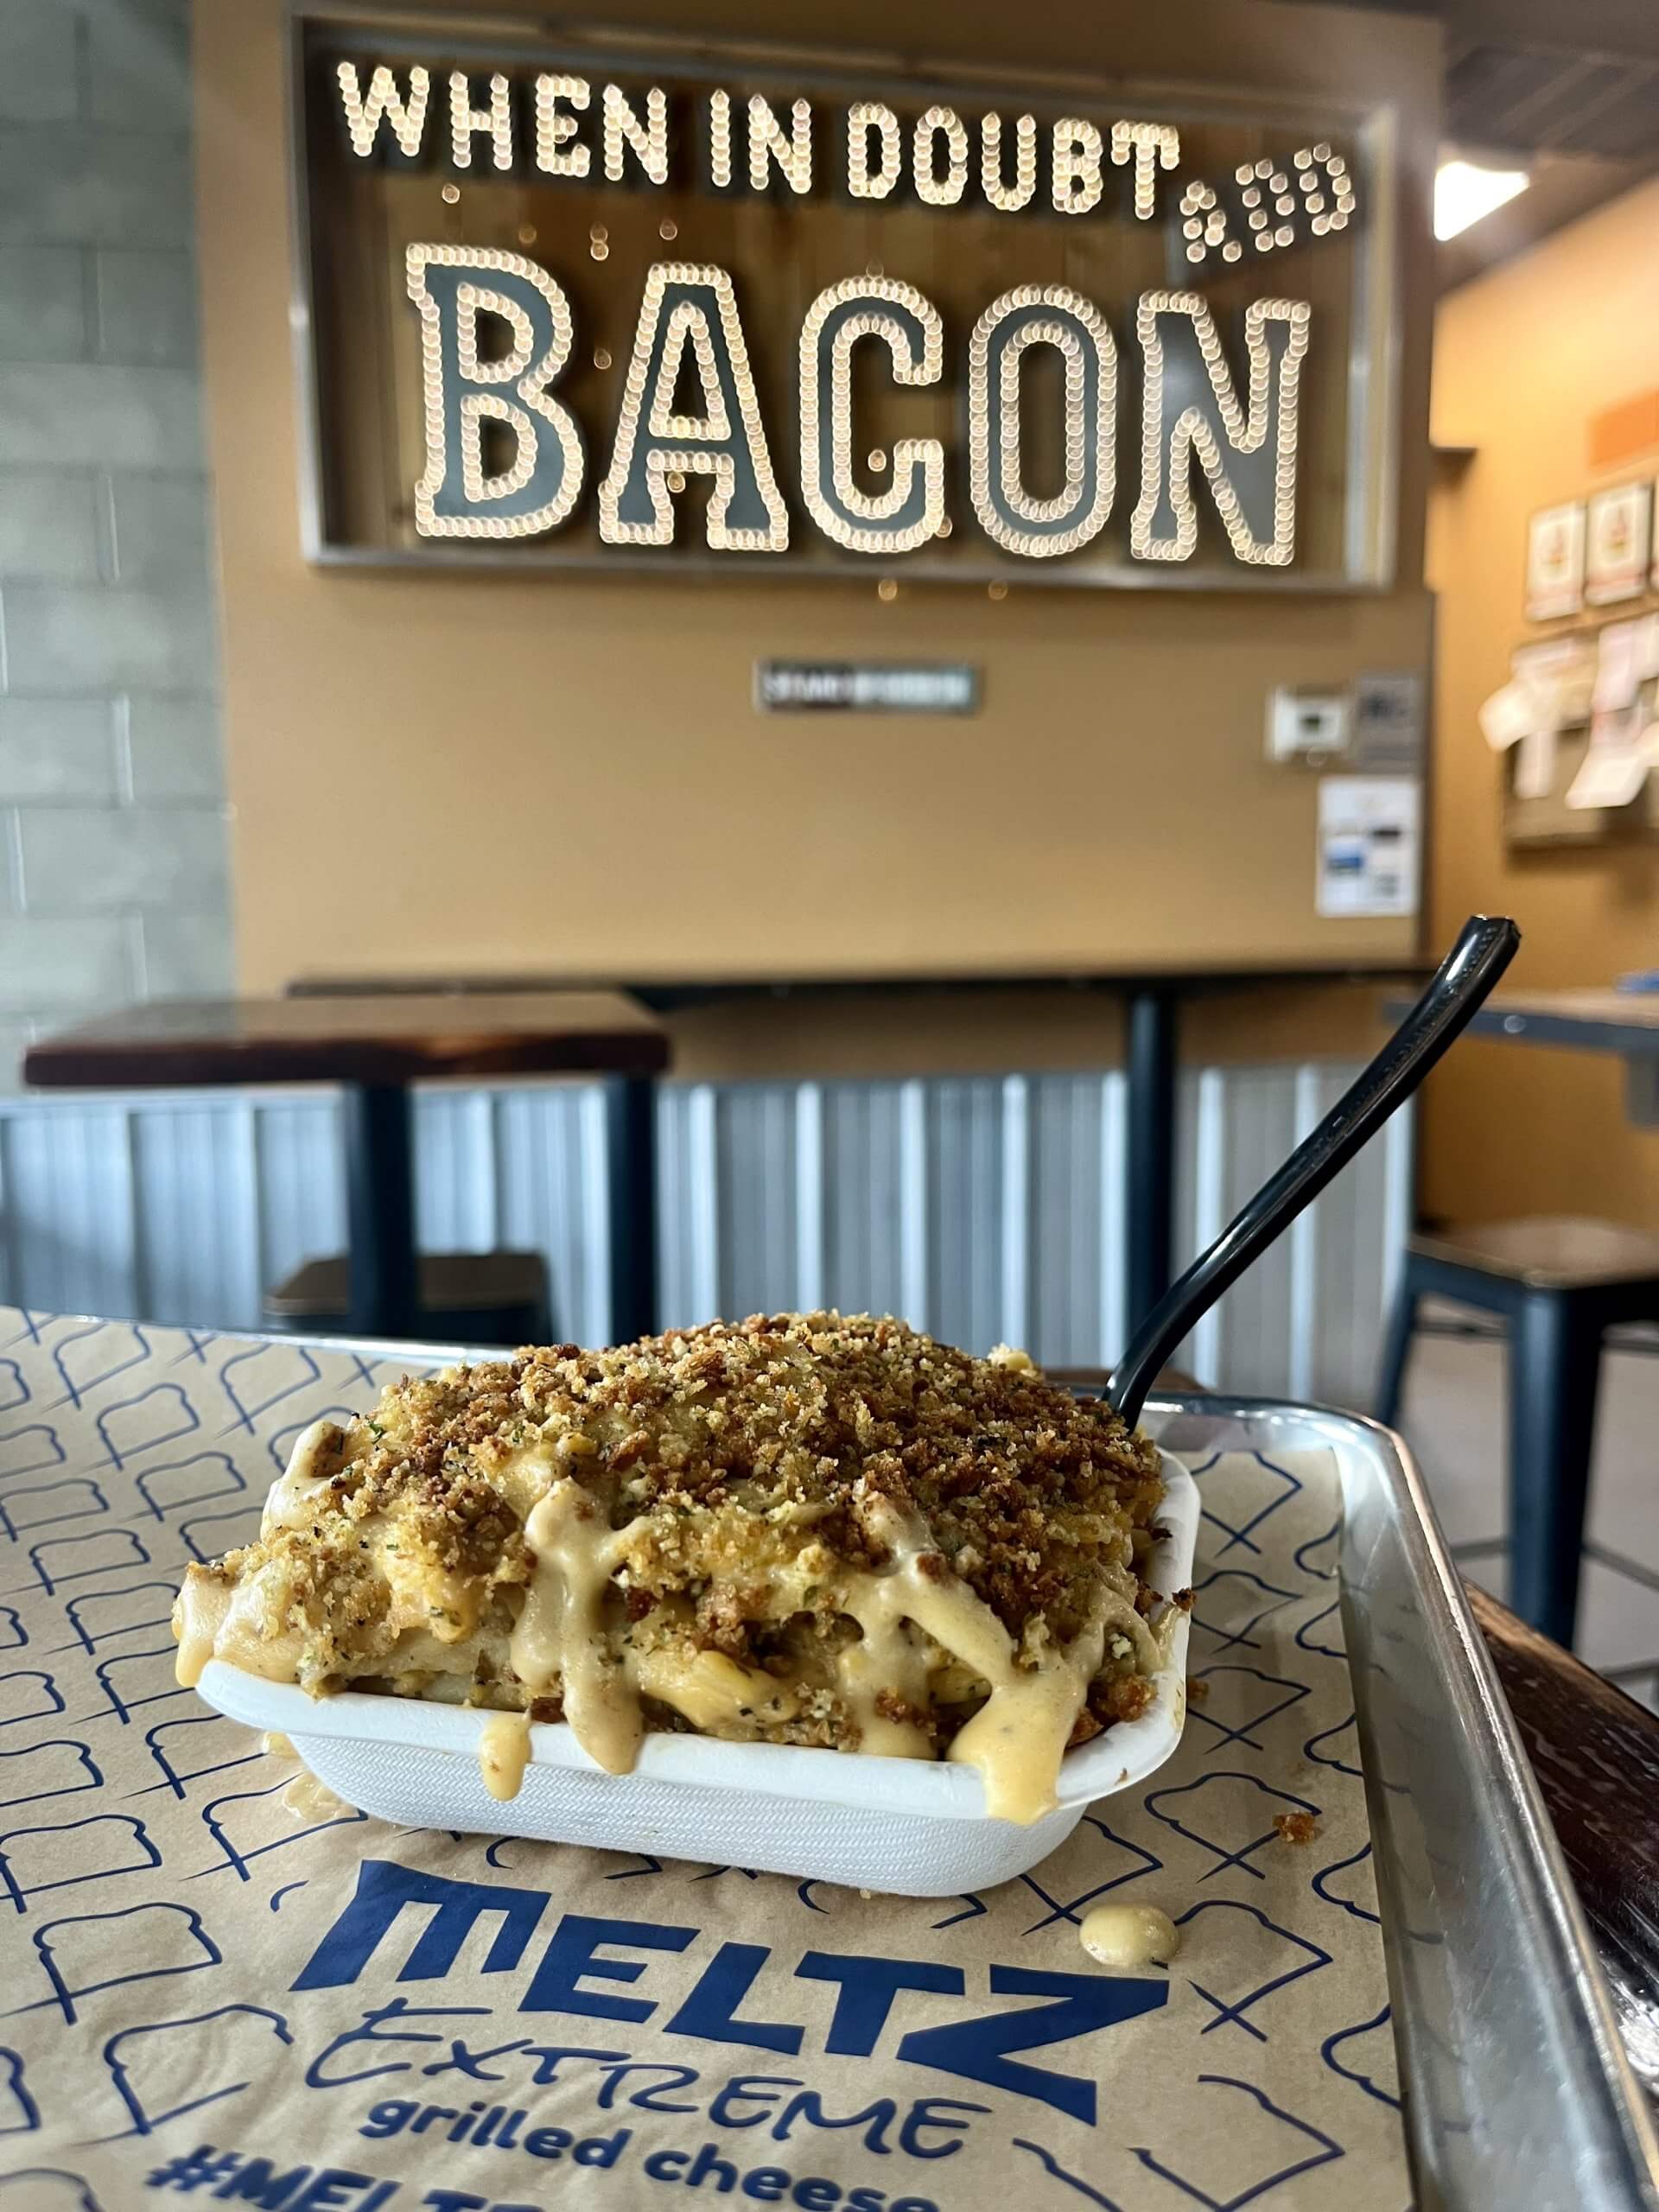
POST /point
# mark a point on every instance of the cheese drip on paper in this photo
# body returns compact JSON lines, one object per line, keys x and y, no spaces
{"x":305,"y":1796}
{"x":1129,"y":1936}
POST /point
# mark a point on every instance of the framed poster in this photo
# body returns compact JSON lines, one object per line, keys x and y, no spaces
{"x":1617,"y":528}
{"x":1555,"y":561}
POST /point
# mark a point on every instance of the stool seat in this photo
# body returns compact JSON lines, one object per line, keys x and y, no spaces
{"x":490,"y":1297}
{"x":1549,"y":1252}
{"x":1559,"y":1282}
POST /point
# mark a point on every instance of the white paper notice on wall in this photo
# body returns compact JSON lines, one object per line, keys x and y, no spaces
{"x":1550,"y":687}
{"x":1370,"y":842}
{"x":1514,"y":712}
{"x":1566,"y":669}
{"x":1616,"y":766}
{"x":1535,"y":763}
{"x":1619,"y":657}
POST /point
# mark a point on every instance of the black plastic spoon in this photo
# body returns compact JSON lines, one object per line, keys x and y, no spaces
{"x":1485,"y":946}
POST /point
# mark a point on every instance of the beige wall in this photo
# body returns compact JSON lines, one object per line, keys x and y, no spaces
{"x":1524,"y":359}
{"x":435,"y":773}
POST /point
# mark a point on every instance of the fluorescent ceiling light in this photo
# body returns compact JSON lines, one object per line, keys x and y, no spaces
{"x":1464,"y":191}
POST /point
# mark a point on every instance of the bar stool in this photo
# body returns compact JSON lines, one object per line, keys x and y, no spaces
{"x":1559,"y":1283}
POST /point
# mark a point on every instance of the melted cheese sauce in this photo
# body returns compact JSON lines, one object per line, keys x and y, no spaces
{"x":504,"y":1753}
{"x":716,"y":1693}
{"x":925,"y":1636}
{"x":216,"y":1621}
{"x":308,"y":1799}
{"x":202,"y":1607}
{"x":305,"y":1797}
{"x":1016,"y":1741}
{"x":1129,"y":1936}
{"x":560,"y":1634}
{"x":288,"y":1502}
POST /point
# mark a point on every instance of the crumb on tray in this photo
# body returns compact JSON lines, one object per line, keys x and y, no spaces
{"x":1295,"y":1828}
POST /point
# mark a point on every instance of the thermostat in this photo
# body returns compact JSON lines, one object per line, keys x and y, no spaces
{"x":1310,"y":726}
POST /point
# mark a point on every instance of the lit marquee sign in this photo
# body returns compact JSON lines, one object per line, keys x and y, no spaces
{"x":570,"y":310}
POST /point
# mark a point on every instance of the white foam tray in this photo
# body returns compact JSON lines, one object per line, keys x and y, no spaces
{"x":913,"y":1826}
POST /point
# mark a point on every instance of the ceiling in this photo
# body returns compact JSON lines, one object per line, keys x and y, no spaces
{"x":1567,"y":89}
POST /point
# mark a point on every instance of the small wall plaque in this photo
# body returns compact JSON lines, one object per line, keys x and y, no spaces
{"x":846,"y":687}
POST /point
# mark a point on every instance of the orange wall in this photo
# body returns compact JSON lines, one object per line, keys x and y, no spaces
{"x":441,"y":773}
{"x":1524,"y":359}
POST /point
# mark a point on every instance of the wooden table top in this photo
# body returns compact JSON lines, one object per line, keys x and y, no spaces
{"x":1587,"y":1020}
{"x":377,"y":1038}
{"x":1596,"y":1754}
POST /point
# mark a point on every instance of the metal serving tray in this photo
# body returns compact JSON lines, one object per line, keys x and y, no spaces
{"x":1518,"y":2094}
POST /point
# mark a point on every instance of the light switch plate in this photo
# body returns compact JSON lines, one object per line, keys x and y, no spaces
{"x":1310,"y":726}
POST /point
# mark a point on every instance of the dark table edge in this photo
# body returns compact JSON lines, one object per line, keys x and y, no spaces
{"x":663,"y":995}
{"x":67,"y":1063}
{"x":1574,"y":1032}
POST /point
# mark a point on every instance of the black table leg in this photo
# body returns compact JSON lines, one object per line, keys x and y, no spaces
{"x":380,"y":1211}
{"x":1555,"y":1369}
{"x":1149,"y":1194}
{"x":631,"y":1157}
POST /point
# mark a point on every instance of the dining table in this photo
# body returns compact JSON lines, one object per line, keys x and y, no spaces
{"x":1596,"y":1754}
{"x":1624,"y":1023}
{"x":373,"y":1047}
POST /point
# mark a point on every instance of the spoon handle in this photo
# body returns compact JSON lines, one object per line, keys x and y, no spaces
{"x":1485,"y":946}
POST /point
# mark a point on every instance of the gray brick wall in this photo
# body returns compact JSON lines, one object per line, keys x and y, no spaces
{"x":112,"y":838}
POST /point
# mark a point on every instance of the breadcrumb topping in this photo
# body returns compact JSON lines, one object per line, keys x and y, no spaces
{"x":738,"y":1460}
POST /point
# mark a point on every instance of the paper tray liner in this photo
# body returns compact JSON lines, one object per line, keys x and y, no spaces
{"x":208,"y":1994}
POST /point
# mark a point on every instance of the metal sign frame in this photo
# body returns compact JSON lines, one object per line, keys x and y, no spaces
{"x":1370,"y":531}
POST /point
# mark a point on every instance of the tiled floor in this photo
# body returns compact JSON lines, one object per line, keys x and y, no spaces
{"x":1455,"y":1418}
